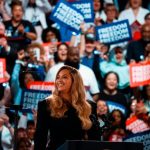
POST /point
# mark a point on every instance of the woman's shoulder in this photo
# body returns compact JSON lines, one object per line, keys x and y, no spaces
{"x":43,"y":104}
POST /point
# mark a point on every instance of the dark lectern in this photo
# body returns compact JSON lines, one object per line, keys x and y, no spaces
{"x":96,"y":145}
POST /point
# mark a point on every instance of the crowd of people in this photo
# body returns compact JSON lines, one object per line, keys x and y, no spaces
{"x":25,"y":26}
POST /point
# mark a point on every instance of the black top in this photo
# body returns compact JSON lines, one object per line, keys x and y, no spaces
{"x":62,"y":129}
{"x":135,"y":50}
{"x":14,"y":37}
{"x":118,"y":98}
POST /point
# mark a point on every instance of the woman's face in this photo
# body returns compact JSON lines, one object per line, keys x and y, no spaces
{"x":135,"y":3}
{"x":147,"y":20}
{"x":28,"y":78}
{"x":117,"y":117}
{"x":111,"y":13}
{"x":62,"y":52}
{"x":31,"y":131}
{"x":119,"y":56}
{"x":101,"y":108}
{"x":63,"y":81}
{"x":50,"y":36}
{"x":111,"y":82}
{"x":97,"y":5}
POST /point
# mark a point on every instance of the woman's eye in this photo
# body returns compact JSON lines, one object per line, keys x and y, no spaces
{"x":65,"y":77}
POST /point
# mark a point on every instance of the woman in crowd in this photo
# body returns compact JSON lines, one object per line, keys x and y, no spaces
{"x":110,"y":92}
{"x":21,"y":77}
{"x":118,"y":63}
{"x":61,"y":54}
{"x":117,"y":131}
{"x":100,"y":15}
{"x":62,"y":113}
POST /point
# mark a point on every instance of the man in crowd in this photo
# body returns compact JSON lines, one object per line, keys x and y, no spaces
{"x":19,"y":31}
{"x":89,"y":79}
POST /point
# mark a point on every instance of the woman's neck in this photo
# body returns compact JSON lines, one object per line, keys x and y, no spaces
{"x":136,"y":10}
{"x":110,"y":92}
{"x":65,"y":97}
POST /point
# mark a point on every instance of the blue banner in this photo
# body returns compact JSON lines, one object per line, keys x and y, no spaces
{"x":114,"y":105}
{"x":143,"y":137}
{"x":86,"y":7}
{"x":114,"y":32}
{"x":30,"y":98}
{"x":65,"y":31}
{"x":66,"y":15}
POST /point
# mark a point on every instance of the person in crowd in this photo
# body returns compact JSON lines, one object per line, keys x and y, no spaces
{"x":146,"y":97}
{"x":111,"y":13}
{"x":3,"y":12}
{"x":61,"y":54}
{"x":69,"y":122}
{"x":138,"y":120}
{"x":24,"y":144}
{"x":6,"y":51}
{"x":31,"y":131}
{"x":117,"y":63}
{"x":50,"y":34}
{"x":5,"y":94}
{"x":20,"y":78}
{"x":21,"y":133}
{"x":6,"y":133}
{"x":90,"y":56}
{"x":103,"y":117}
{"x":35,"y":53}
{"x":134,"y":13}
{"x":37,"y":17}
{"x":117,"y":131}
{"x":19,"y":31}
{"x":42,"y":4}
{"x":111,"y":94}
{"x":136,"y":49}
{"x":147,"y":53}
{"x":73,"y":59}
{"x":147,"y":18}
{"x":100,"y":15}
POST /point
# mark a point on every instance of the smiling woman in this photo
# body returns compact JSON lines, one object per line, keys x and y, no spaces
{"x":62,"y":113}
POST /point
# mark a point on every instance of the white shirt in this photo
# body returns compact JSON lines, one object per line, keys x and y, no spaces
{"x":35,"y":15}
{"x":128,"y":14}
{"x":6,"y":139}
{"x":87,"y":75}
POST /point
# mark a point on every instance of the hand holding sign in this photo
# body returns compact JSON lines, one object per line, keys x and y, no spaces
{"x":114,"y":32}
{"x":67,"y":15}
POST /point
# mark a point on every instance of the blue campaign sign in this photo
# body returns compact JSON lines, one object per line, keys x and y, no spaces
{"x":86,"y":7}
{"x":66,"y":15}
{"x":30,"y":98}
{"x":114,"y":33}
{"x":142,"y":137}
{"x":114,"y":105}
{"x":65,"y":31}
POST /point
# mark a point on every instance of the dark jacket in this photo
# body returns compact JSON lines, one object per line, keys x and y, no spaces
{"x":66,"y":128}
{"x":136,"y":50}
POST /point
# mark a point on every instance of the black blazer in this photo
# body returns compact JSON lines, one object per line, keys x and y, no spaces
{"x":66,"y":128}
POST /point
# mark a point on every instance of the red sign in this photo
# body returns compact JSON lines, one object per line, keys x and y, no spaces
{"x":40,"y":85}
{"x":136,"y":125}
{"x":139,"y":74}
{"x":2,"y":70}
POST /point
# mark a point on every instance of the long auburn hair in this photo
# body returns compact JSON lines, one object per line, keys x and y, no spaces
{"x":58,"y":106}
